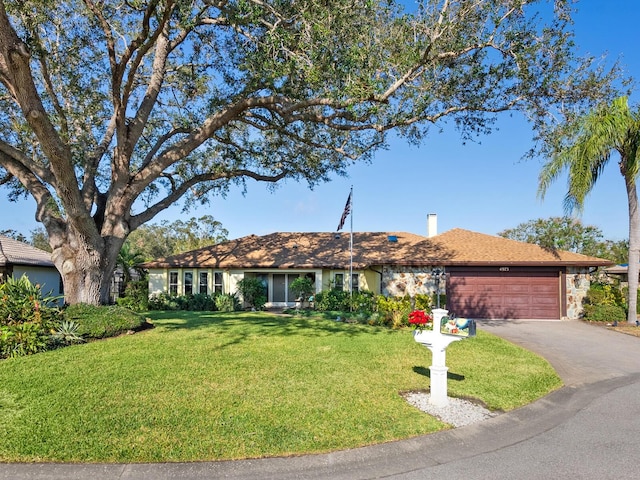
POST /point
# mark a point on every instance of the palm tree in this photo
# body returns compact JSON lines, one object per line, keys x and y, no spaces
{"x":584,"y":148}
{"x":129,"y":260}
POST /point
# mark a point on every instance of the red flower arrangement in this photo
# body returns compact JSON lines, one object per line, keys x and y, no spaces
{"x":420,"y":319}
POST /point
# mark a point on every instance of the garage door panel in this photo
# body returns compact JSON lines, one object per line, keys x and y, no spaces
{"x":470,"y":289}
{"x":516,"y":289}
{"x":504,"y":295}
{"x":544,"y":289}
{"x":546,"y":301}
{"x":516,"y":300}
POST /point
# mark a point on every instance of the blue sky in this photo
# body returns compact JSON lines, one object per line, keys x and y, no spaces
{"x":485,"y":187}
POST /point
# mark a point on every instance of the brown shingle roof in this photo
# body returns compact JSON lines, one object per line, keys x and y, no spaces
{"x":13,"y":252}
{"x":472,"y":248}
{"x":331,"y":250}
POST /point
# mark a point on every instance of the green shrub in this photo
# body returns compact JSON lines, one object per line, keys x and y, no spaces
{"x":136,"y":296}
{"x":376,"y":318}
{"x":395,"y":309}
{"x":201,"y":302}
{"x":27,"y":318}
{"x":604,"y":303}
{"x":604,"y":313}
{"x":363,"y":301}
{"x":423,"y":301}
{"x":604,"y":294}
{"x":22,"y":301}
{"x":332,"y":300}
{"x":253,"y":292}
{"x":24,"y":338}
{"x":302,"y":287}
{"x":163,"y":301}
{"x":227,"y":302}
{"x":198,"y":302}
{"x":103,"y":321}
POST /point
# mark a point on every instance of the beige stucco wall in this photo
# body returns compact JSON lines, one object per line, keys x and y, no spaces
{"x":159,"y":280}
{"x":370,"y":280}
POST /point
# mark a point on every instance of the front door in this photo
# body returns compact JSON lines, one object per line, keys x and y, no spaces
{"x":279,"y":287}
{"x":281,"y":291}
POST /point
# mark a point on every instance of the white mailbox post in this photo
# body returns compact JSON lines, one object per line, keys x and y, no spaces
{"x":437,"y":342}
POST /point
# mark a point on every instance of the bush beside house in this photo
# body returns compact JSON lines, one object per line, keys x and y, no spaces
{"x":31,"y":322}
{"x":27,"y":318}
{"x":605,"y":303}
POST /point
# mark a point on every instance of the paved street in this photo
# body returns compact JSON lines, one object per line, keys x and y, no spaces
{"x":588,"y":429}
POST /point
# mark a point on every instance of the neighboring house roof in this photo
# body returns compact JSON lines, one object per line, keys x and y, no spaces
{"x":621,"y":269}
{"x":331,"y":251}
{"x":618,"y":269}
{"x":13,"y":252}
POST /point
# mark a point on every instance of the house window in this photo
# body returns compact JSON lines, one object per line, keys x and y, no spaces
{"x":173,"y":283}
{"x":188,"y":283}
{"x":264,"y":279}
{"x":217,"y":282}
{"x":338,"y":281}
{"x":355,"y":282}
{"x":204,"y":280}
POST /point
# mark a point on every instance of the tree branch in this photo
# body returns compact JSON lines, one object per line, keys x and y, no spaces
{"x":64,"y":125}
{"x":29,"y":165}
{"x":136,"y":220}
{"x":36,"y":188}
{"x":15,"y":61}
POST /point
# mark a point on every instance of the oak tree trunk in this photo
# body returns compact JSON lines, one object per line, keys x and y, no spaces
{"x":86,"y":268}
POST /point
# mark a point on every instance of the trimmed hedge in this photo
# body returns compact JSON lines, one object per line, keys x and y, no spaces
{"x":605,"y":313}
{"x":96,"y":322}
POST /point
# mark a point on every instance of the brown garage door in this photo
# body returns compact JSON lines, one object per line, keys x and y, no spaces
{"x":504,"y":294}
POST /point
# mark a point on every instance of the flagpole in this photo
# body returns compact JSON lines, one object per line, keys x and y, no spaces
{"x":348,"y":210}
{"x":351,"y":254}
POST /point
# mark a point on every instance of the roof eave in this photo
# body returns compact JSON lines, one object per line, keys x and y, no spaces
{"x":540,"y":263}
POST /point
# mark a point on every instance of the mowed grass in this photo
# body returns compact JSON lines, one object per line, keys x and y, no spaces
{"x":213,"y":386}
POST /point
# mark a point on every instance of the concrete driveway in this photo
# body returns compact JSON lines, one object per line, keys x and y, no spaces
{"x":588,"y":429}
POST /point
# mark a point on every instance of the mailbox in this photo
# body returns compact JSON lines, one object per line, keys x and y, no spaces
{"x":458,"y":327}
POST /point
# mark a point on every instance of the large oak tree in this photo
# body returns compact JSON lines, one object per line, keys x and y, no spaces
{"x":112,"y":110}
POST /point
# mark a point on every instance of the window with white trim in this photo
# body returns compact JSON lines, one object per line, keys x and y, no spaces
{"x":188,"y":283}
{"x":173,"y":283}
{"x":204,"y":280}
{"x":355,"y":282}
{"x":217,"y":282}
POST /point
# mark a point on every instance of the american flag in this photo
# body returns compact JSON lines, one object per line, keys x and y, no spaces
{"x":345,"y":214}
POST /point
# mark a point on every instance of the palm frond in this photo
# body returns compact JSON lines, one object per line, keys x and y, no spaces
{"x":585,"y":148}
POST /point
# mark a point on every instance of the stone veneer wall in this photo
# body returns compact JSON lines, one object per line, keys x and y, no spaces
{"x":400,"y":281}
{"x":578,"y":282}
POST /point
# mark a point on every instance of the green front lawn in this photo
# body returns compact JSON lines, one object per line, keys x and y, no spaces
{"x":211,"y":386}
